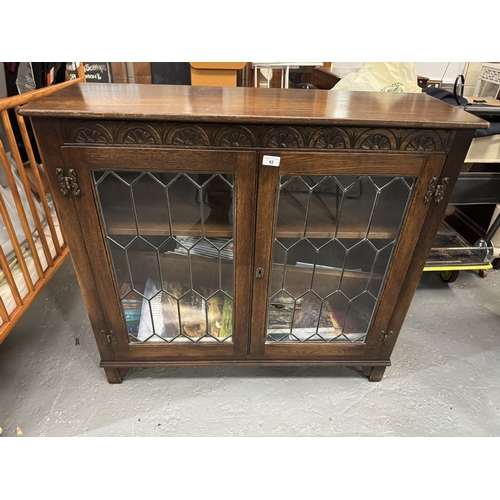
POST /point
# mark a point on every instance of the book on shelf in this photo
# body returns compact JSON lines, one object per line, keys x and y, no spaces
{"x":151,"y":318}
{"x":208,"y":247}
{"x":161,"y":314}
{"x":303,"y":316}
{"x":132,"y":306}
{"x":197,"y":315}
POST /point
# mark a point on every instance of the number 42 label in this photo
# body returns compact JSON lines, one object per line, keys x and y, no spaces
{"x":272,"y":161}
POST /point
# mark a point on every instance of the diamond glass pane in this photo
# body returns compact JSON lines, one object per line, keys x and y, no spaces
{"x":334,"y":239}
{"x":170,"y":237}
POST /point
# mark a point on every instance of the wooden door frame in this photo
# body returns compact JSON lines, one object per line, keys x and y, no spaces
{"x":242,"y":164}
{"x":421,"y":166}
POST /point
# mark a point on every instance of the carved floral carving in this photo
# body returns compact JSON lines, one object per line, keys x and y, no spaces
{"x":90,"y":135}
{"x":187,"y":135}
{"x":285,"y":137}
{"x":139,"y":136}
{"x":235,"y":137}
{"x":376,"y":141}
{"x":423,"y":143}
{"x":332,"y":138}
{"x":137,"y":133}
{"x":253,"y":136}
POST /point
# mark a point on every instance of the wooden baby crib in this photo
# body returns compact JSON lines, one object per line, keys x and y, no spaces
{"x":32,"y":245}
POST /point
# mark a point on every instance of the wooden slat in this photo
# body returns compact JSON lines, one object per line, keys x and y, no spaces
{"x":22,"y":174}
{"x":39,"y":185}
{"x":10,"y":279}
{"x":80,"y":71}
{"x":3,"y":312}
{"x":8,"y":222}
{"x":19,"y":100}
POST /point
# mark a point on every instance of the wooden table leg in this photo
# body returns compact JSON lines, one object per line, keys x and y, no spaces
{"x":116,"y":375}
{"x":374,"y":373}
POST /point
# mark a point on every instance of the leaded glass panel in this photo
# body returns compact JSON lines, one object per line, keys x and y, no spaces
{"x":332,"y":247}
{"x":170,"y":237}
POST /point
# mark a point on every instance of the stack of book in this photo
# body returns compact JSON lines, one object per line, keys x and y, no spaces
{"x":206,"y":247}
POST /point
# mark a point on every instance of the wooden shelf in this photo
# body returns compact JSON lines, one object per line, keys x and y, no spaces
{"x":152,"y":212}
{"x":321,"y":222}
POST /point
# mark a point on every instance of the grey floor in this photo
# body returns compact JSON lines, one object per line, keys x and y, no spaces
{"x":445,"y":378}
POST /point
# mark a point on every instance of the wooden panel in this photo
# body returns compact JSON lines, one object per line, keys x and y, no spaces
{"x":252,"y":105}
{"x":434,"y":217}
{"x":48,"y":134}
{"x":345,"y":361}
{"x":158,"y":159}
{"x":348,"y":164}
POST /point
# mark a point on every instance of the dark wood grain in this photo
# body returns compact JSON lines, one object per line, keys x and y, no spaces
{"x":211,"y":129}
{"x":49,"y":138}
{"x":244,"y":241}
{"x":313,"y":163}
{"x":403,"y":252}
{"x":377,"y":373}
{"x":424,"y":243}
{"x":266,"y":216}
{"x":251,"y":105}
{"x":362,"y":362}
{"x":242,"y":165}
{"x":206,"y":136}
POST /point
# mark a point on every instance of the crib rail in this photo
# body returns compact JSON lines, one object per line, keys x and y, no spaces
{"x":35,"y":247}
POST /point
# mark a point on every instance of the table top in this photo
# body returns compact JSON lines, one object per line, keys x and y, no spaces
{"x":251,"y":105}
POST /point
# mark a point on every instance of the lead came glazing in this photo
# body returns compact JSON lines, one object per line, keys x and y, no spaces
{"x":170,"y":236}
{"x":333,"y":243}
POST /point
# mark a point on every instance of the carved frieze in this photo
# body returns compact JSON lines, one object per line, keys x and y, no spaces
{"x":203,"y":135}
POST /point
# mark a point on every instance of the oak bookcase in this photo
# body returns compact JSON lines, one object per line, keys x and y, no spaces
{"x":213,"y":225}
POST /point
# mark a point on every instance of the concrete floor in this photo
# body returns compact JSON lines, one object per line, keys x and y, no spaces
{"x":445,"y":378}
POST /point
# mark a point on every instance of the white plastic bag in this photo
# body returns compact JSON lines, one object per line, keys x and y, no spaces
{"x":382,"y":77}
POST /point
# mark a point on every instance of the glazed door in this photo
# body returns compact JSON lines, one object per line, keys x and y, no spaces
{"x":335,"y":235}
{"x":174,"y":229}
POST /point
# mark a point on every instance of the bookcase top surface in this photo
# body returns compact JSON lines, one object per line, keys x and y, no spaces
{"x":250,"y":105}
